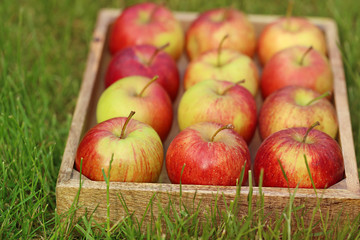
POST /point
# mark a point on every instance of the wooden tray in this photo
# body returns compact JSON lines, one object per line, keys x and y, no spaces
{"x":343,"y":197}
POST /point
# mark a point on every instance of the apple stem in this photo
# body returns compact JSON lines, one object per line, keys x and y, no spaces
{"x":125,"y":124}
{"x":232,"y":85}
{"x":304,"y":55}
{"x":147,"y":85}
{"x":156,"y":53}
{"x":318,"y":98}
{"x":289,"y":12}
{"x":153,"y":11}
{"x":219,"y":49}
{"x":229,"y":126}
{"x":309,"y":129}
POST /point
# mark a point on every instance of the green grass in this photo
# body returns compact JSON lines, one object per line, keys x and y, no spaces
{"x":43,"y":49}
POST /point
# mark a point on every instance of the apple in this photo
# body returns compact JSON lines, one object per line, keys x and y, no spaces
{"x":134,"y":147}
{"x":148,"y":61}
{"x":141,"y":94}
{"x":295,"y":106}
{"x":208,"y":29}
{"x":223,"y":64}
{"x":207,"y":154}
{"x":219,"y":101}
{"x":289,"y":147}
{"x":298,"y":65}
{"x":287,"y":32}
{"x":147,"y":23}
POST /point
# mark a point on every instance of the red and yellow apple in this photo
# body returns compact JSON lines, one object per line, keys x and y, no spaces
{"x":294,"y":106}
{"x":207,"y":31}
{"x":147,"y":98}
{"x":224,"y":64}
{"x":287,"y":32}
{"x":134,"y":147}
{"x":144,"y":60}
{"x":221,"y":102}
{"x":147,"y":23}
{"x":288,"y":148}
{"x":207,"y":154}
{"x":300,"y":66}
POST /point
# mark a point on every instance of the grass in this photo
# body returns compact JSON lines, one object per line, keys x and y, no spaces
{"x":43,"y":48}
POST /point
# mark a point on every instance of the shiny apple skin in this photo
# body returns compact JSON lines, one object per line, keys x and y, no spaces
{"x":147,"y":23}
{"x":207,"y":31}
{"x":137,"y":157}
{"x":154,"y":107}
{"x":204,"y":102}
{"x":135,"y":61}
{"x":207,"y":163}
{"x":284,"y":69}
{"x":234,"y":67}
{"x":286,"y":108}
{"x":282,"y":34}
{"x":323,"y":154}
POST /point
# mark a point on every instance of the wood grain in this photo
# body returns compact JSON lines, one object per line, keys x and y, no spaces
{"x":342,"y":197}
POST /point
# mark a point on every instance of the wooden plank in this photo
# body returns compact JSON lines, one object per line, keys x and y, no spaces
{"x":137,"y":196}
{"x":344,"y":196}
{"x":86,"y":93}
{"x":342,"y":108}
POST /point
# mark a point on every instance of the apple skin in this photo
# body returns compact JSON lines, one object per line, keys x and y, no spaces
{"x":138,"y":157}
{"x":284,"y":69}
{"x":286,"y":108}
{"x":207,"y":31}
{"x":234,"y":67}
{"x":279,"y":35}
{"x":207,"y":163}
{"x":147,"y":23}
{"x":323,"y":154}
{"x":135,"y":61}
{"x":204,"y":102}
{"x":153,"y":107}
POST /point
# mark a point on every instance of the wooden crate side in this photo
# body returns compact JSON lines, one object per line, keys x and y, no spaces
{"x":86,"y":91}
{"x":138,"y":197}
{"x":342,"y":108}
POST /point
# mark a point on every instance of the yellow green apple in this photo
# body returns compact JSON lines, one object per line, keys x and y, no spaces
{"x":221,"y":102}
{"x":140,"y":94}
{"x":133,"y":148}
{"x":224,"y":64}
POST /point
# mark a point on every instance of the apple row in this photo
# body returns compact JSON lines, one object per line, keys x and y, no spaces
{"x":217,"y":114}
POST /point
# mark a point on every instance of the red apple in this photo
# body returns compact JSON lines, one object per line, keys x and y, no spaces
{"x":224,"y":64}
{"x":295,"y":106}
{"x":219,"y":101}
{"x":134,"y":147}
{"x":287,"y":32}
{"x":207,"y":31}
{"x":207,"y":154}
{"x":299,"y":66}
{"x":288,"y":147}
{"x":138,"y":93}
{"x":147,"y":23}
{"x":144,"y":60}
